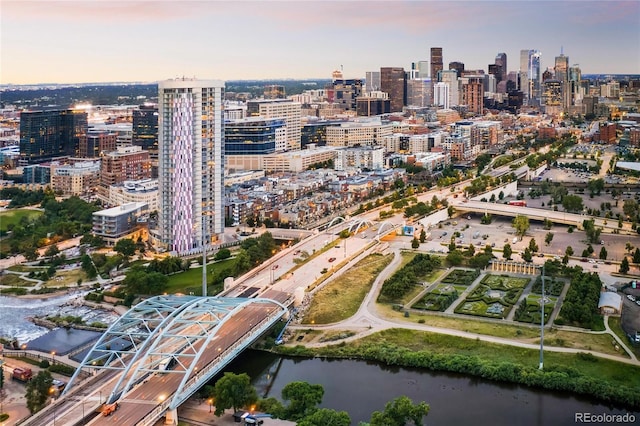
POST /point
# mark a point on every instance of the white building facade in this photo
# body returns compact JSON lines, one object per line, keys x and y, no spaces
{"x":191,"y":164}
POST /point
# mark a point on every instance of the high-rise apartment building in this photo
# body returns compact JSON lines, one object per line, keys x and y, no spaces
{"x":393,"y":81}
{"x":561,"y":73}
{"x":436,"y":62}
{"x":48,"y":134}
{"x":473,"y":93}
{"x":191,"y":163}
{"x":145,"y":129}
{"x":285,"y":109}
{"x":501,"y":61}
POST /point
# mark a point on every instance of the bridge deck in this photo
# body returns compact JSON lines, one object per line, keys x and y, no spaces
{"x":144,"y":398}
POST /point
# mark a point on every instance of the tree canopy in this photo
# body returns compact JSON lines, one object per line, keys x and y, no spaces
{"x":234,"y":391}
{"x":400,"y":412}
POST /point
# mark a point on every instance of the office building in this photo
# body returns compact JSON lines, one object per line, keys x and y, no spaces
{"x":191,"y":164}
{"x":450,"y":77}
{"x":344,"y":93}
{"x":372,"y":81}
{"x":145,"y":133}
{"x":254,"y":135}
{"x":501,"y":62}
{"x":284,"y":109}
{"x":393,"y":81}
{"x":125,"y":163}
{"x":419,"y":92}
{"x":94,"y":144}
{"x":363,"y":133}
{"x":368,"y":106}
{"x":436,"y":62}
{"x":441,"y":95}
{"x":530,"y":76}
{"x":274,"y":91}
{"x":48,"y":134}
{"x":457,"y":66}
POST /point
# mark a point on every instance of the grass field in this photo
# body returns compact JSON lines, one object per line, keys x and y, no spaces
{"x":342,"y":297}
{"x":612,"y":371}
{"x":614,"y":324}
{"x":66,"y":278}
{"x":13,"y":217}
{"x":191,"y":280}
{"x":594,"y":342}
{"x":12,"y":280}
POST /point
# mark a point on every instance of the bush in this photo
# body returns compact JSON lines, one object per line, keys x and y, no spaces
{"x":63,"y":369}
{"x":44,"y":364}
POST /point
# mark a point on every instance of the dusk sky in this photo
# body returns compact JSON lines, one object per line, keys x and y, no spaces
{"x":102,"y":41}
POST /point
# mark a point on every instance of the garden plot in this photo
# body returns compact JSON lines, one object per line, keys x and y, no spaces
{"x":493,"y":297}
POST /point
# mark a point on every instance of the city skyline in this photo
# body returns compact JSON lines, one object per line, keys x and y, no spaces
{"x":100,"y":41}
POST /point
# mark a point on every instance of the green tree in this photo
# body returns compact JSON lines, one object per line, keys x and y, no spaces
{"x":603,"y":253}
{"x":595,"y":186}
{"x":572,"y":203}
{"x":630,"y":208}
{"x":521,"y":224}
{"x":30,"y":253}
{"x":569,"y":251}
{"x":450,"y":211}
{"x":37,"y":391}
{"x":223,"y":253}
{"x":126,"y":247}
{"x":506,"y":251}
{"x":400,"y":412}
{"x":548,"y":238}
{"x":303,"y":398}
{"x":415,"y":243}
{"x":234,"y":391}
{"x":636,"y":256}
{"x":455,"y":257}
{"x":526,"y":255}
{"x":51,"y":251}
{"x":547,"y":224}
{"x":423,"y":236}
{"x":533,"y":246}
{"x":624,"y":265}
{"x":565,"y":259}
{"x":326,"y":417}
{"x":593,"y":233}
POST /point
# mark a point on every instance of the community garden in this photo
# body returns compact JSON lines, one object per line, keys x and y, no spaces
{"x":493,"y":297}
{"x":447,"y":291}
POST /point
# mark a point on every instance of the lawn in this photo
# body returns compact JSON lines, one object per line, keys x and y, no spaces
{"x":66,"y":278}
{"x":614,"y":324}
{"x":341,"y":298}
{"x":12,"y":280}
{"x":191,"y":280}
{"x":472,"y":326}
{"x":594,"y":342}
{"x":598,"y":368}
{"x":13,"y":217}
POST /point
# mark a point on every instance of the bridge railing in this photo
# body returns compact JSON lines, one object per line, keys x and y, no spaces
{"x":207,"y":372}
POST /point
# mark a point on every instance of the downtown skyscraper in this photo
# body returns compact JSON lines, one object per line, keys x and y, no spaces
{"x":190,"y":164}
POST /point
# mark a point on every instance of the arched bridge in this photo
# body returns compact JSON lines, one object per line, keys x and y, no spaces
{"x":166,"y":347}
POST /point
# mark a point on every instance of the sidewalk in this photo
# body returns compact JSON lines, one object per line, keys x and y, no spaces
{"x":197,"y":413}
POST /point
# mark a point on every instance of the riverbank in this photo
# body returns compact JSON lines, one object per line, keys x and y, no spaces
{"x":580,"y":374}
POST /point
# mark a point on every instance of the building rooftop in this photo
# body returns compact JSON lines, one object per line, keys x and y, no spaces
{"x":120,"y":210}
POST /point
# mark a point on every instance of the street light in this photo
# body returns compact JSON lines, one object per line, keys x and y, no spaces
{"x":53,"y":356}
{"x":210,"y":403}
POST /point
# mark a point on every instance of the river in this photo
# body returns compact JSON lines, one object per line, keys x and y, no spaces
{"x":361,"y":387}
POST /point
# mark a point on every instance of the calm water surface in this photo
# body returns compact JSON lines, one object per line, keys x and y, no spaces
{"x":361,"y":387}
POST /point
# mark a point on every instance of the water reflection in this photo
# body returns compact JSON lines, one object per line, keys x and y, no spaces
{"x":360,"y":388}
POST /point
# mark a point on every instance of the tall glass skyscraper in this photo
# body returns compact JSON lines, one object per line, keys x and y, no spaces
{"x":191,"y":163}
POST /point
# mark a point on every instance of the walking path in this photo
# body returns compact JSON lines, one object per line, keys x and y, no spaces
{"x":369,"y":320}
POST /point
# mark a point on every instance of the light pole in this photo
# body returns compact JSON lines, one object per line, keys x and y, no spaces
{"x":542,"y":323}
{"x":210,"y":404}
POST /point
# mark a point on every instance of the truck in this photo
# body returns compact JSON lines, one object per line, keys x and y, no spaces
{"x":520,"y":203}
{"x":22,"y":374}
{"x":108,"y":409}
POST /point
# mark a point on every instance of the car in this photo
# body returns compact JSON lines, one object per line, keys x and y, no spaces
{"x":331,"y":259}
{"x":584,"y":259}
{"x":540,"y":254}
{"x":638,"y":302}
{"x":595,"y":266}
{"x":297,"y":252}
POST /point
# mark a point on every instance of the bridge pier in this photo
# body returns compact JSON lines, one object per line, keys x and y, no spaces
{"x":171,"y":417}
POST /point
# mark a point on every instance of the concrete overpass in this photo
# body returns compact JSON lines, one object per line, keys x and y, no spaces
{"x":162,"y":351}
{"x":536,"y":214}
